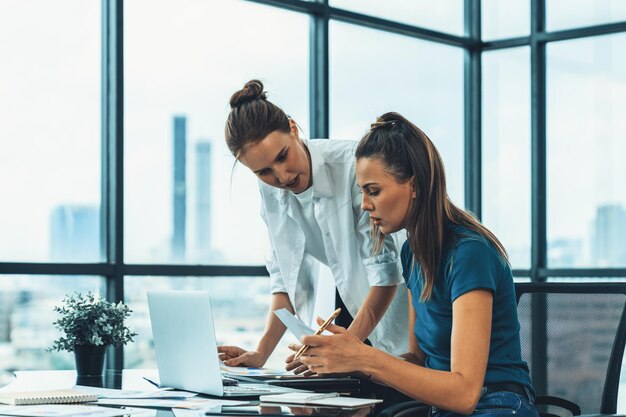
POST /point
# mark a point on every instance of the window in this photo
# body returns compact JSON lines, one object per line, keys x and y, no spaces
{"x":50,"y":131}
{"x":443,"y":16}
{"x":180,"y":71}
{"x":506,"y":150}
{"x":586,"y":148}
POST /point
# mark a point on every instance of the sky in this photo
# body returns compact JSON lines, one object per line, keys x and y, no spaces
{"x":187,"y":57}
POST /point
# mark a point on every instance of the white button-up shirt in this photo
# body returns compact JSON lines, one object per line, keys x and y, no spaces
{"x":347,"y":244}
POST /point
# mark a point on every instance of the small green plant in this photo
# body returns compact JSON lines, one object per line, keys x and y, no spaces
{"x":90,"y":320}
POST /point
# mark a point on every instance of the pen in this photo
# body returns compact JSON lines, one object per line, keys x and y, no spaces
{"x":152,"y":382}
{"x":318,"y":332}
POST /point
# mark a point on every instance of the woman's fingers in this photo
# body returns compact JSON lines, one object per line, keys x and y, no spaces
{"x":245,"y":359}
{"x":292,"y":365}
{"x":333,"y":328}
{"x":294,"y":346}
{"x":300,"y":369}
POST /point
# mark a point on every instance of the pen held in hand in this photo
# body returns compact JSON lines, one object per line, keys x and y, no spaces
{"x":318,"y":332}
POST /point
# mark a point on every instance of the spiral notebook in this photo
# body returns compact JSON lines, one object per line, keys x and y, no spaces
{"x":330,"y":399}
{"x":66,"y":396}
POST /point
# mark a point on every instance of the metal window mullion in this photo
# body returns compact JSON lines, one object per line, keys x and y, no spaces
{"x":112,"y":157}
{"x":398,"y":28}
{"x":538,"y":141}
{"x":194,"y":270}
{"x":538,"y":195}
{"x":472,"y":110}
{"x":319,"y":84}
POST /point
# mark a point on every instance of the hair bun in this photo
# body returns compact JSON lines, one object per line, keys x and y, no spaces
{"x":388,"y":119}
{"x":253,"y":90}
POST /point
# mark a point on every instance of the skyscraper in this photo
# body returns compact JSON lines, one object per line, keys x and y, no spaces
{"x":609,"y":236}
{"x":180,"y":188}
{"x":203,"y":200}
{"x":75,"y":233}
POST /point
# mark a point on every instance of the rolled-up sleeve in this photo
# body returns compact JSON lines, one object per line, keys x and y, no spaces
{"x":277,"y":284}
{"x":383,"y":269}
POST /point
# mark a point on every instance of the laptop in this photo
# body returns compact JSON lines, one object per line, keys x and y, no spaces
{"x":186,"y":347}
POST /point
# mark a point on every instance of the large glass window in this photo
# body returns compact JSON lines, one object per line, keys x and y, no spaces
{"x":183,"y":61}
{"x":420,"y":80}
{"x":443,"y":15}
{"x":50,"y":131}
{"x":586,"y":99}
{"x":26,"y":315}
{"x":506,"y":150}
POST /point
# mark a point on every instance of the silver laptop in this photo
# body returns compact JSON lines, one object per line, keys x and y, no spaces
{"x":186,"y":348}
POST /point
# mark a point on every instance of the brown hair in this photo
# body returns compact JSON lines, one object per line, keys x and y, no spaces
{"x":252,"y":117}
{"x":408,"y":154}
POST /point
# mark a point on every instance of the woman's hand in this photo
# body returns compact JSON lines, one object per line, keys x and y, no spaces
{"x":340,"y":352}
{"x":236,"y":356}
{"x":296,"y":366}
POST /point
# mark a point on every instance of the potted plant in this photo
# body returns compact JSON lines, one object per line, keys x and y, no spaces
{"x":90,"y":324}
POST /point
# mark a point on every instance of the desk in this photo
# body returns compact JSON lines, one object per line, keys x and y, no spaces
{"x":132,"y":379}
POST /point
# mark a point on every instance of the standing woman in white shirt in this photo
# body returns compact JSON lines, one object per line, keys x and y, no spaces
{"x":308,"y":192}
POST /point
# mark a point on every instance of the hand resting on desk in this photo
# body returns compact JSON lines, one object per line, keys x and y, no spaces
{"x":236,"y":356}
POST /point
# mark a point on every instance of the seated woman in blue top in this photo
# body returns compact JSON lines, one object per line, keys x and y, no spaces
{"x":465,"y":354}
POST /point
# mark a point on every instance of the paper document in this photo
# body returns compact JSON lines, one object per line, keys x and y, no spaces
{"x":181,"y":412}
{"x":294,"y":324}
{"x":161,"y":393}
{"x":55,"y":410}
{"x":244,"y":371}
{"x":191,"y":404}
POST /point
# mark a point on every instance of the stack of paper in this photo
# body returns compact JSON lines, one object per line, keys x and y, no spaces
{"x":331,"y":399}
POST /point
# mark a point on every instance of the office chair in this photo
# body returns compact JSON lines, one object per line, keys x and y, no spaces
{"x":573,"y":337}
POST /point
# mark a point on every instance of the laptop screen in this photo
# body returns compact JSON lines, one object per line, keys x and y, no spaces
{"x":184,"y":341}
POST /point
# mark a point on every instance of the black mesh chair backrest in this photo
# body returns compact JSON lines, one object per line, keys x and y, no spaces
{"x":572,"y":337}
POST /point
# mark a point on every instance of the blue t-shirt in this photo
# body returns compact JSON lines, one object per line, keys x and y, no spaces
{"x":471,"y":263}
